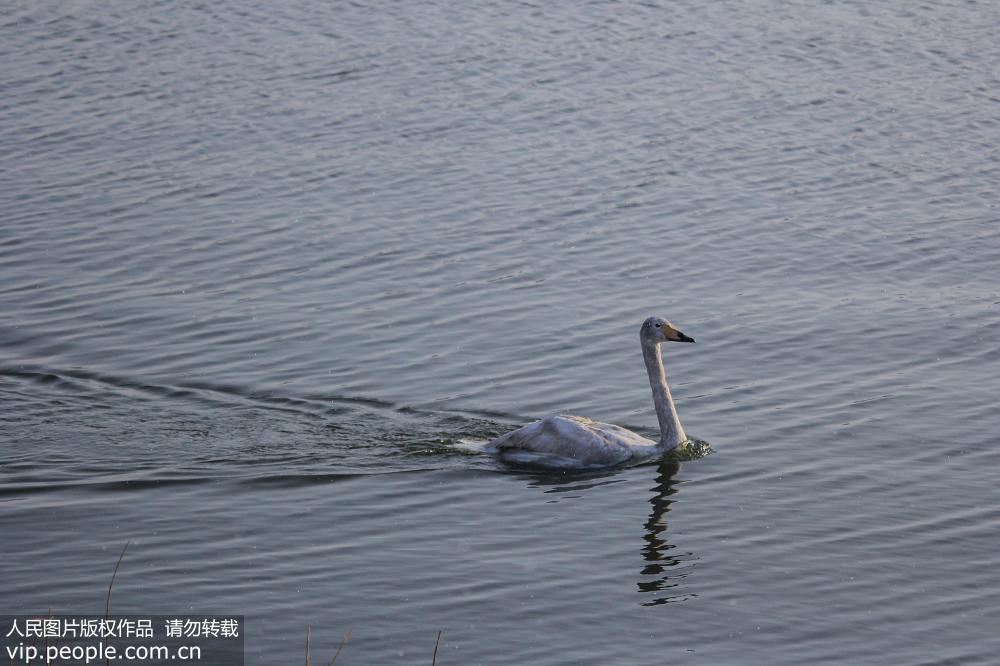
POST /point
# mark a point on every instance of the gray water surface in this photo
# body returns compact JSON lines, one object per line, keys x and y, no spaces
{"x":262,"y":265}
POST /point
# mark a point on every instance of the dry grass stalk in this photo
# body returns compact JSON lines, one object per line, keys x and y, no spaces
{"x":434,"y":659}
{"x":107,"y":605}
{"x":343,"y":642}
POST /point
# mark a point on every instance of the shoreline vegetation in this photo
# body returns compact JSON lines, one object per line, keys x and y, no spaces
{"x":344,"y":640}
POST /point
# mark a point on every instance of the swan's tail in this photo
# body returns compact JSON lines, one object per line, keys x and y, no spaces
{"x":469,"y":445}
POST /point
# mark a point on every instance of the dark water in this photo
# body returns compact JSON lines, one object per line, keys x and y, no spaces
{"x":262,"y":264}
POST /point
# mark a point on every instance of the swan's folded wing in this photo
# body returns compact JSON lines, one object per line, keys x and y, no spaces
{"x":566,"y":441}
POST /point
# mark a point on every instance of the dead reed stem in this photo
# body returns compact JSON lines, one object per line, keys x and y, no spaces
{"x":434,"y":659}
{"x":343,"y":642}
{"x":107,"y":605}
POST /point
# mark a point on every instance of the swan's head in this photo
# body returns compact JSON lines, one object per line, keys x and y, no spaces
{"x":658,"y":329}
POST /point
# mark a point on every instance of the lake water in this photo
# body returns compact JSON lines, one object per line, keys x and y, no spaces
{"x":263,"y":264}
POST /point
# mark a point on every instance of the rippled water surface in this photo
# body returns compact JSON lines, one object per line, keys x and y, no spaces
{"x":263,"y":264}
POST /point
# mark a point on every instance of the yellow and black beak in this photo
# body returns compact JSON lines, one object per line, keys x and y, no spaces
{"x":677,"y":336}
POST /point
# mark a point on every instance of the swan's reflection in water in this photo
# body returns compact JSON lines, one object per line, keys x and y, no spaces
{"x":665,"y":568}
{"x":664,"y":565}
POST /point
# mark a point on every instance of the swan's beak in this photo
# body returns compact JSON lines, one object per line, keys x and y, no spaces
{"x":683,"y":338}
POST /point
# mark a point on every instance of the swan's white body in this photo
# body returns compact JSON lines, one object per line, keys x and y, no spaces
{"x":572,"y":441}
{"x":578,"y":442}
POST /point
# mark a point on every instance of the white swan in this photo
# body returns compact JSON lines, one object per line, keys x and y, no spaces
{"x":575,"y":441}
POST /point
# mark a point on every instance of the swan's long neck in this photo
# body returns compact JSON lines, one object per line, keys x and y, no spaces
{"x":671,"y":432}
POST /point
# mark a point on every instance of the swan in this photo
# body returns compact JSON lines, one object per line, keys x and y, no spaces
{"x":578,"y":442}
